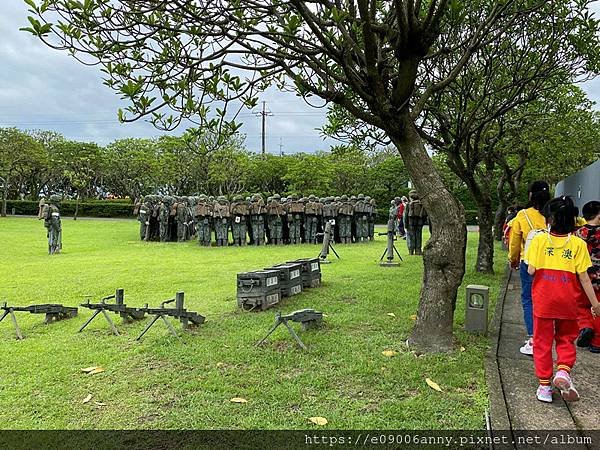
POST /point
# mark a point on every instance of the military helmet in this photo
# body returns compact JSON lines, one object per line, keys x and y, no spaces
{"x":211,"y":198}
{"x":221,"y":198}
{"x":303,"y":200}
{"x":269,"y":199}
{"x":294,"y":197}
{"x":54,"y":198}
{"x":202,"y":197}
{"x":238,"y":198}
{"x":413,"y":195}
{"x":337,"y":199}
{"x":257,"y":196}
{"x":367,"y":198}
{"x":344,"y":198}
{"x":353,"y":197}
{"x":393,"y":202}
{"x":361,"y":196}
{"x":312,"y":197}
{"x":397,"y":199}
{"x":277,"y":197}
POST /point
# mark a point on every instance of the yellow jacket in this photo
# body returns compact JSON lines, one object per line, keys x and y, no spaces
{"x":520,"y":229}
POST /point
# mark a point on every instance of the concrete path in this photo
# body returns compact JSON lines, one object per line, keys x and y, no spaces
{"x":512,"y":382}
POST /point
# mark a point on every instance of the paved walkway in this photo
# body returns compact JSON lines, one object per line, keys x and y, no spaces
{"x":512,"y":383}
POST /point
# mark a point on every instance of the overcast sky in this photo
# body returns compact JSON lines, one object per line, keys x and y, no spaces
{"x":41,"y":88}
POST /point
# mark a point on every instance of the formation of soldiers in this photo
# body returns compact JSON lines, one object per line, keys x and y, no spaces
{"x":251,"y":220}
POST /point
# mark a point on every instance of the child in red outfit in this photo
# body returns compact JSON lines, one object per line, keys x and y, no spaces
{"x":589,"y":326}
{"x":559,"y":262}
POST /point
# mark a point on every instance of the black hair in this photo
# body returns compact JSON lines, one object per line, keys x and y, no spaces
{"x":539,"y":194}
{"x":591,"y":210}
{"x":561,"y":213}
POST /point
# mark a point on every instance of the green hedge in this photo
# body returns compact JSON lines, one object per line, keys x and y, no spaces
{"x":67,"y":208}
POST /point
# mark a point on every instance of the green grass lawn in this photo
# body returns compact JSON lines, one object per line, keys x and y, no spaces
{"x":171,"y":383}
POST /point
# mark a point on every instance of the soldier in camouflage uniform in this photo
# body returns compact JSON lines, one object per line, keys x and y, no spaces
{"x":371,"y":216}
{"x":345,"y":213}
{"x":181,"y":218}
{"x":51,"y":215}
{"x":221,"y":216}
{"x":275,"y":216}
{"x":311,"y":220}
{"x":143,"y":212}
{"x":203,"y":213}
{"x":257,"y":219}
{"x":164,"y":215}
{"x":329,"y":214}
{"x":295,"y":211}
{"x":361,"y":219}
{"x":191,"y":224}
{"x":239,"y":215}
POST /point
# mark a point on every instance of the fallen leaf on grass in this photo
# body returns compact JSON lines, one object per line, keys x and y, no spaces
{"x":220,"y":364}
{"x":388,"y":353}
{"x":318,"y":420}
{"x":99,"y":404}
{"x":92,"y":370}
{"x":413,"y":317}
{"x":391,"y":314}
{"x":462,"y":349}
{"x":87,"y":399}
{"x":433,"y":385}
{"x":238,"y":400}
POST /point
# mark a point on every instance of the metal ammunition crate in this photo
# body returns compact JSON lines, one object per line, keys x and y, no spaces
{"x":259,"y":289}
{"x":311,"y":271}
{"x":290,"y":278}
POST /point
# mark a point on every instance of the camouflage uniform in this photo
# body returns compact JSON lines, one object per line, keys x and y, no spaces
{"x":295,"y":211}
{"x":257,"y":218}
{"x":51,"y":216}
{"x":345,"y":212}
{"x":311,"y":221}
{"x":414,"y":217}
{"x":360,"y":218}
{"x":372,"y":215}
{"x":143,"y":211}
{"x":164,"y":215}
{"x":239,"y":226}
{"x":203,"y":213}
{"x":221,"y":216}
{"x":181,"y":218}
{"x":275,"y":215}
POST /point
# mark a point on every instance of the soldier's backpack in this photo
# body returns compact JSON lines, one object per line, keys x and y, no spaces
{"x":532,"y":233}
{"x":416,"y":209}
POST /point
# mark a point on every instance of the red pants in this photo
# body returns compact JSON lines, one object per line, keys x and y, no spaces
{"x":545,"y":333}
{"x":586,"y":320}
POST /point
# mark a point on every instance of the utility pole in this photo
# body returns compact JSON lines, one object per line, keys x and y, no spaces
{"x":264,"y":113}
{"x":280,"y":146}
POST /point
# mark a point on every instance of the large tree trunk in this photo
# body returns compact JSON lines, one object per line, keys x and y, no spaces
{"x":444,"y":253}
{"x":485,"y":249}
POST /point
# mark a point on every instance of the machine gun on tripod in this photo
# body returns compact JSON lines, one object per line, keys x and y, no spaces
{"x":128,"y":314}
{"x":391,"y":247}
{"x":179,"y":313}
{"x":309,"y":318}
{"x":53,"y":312}
{"x":327,"y":245}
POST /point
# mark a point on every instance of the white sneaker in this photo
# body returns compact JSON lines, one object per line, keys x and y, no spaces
{"x":544,"y":393}
{"x":563,"y":381}
{"x":527,"y":348}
